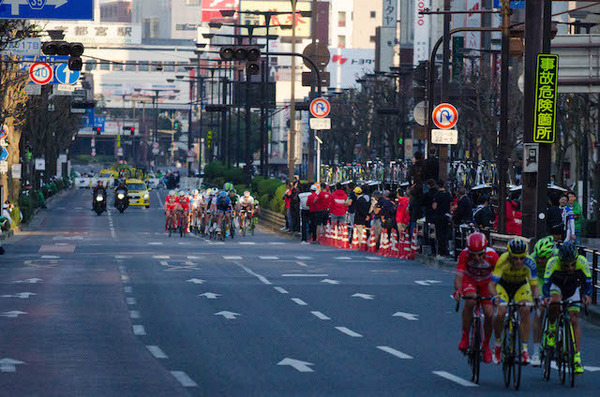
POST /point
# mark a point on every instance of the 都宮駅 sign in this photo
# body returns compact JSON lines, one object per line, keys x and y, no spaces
{"x":47,"y":9}
{"x":99,"y":32}
{"x":514,"y":4}
{"x":544,"y":123}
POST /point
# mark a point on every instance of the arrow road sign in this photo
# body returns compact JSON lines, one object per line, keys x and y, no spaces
{"x":300,"y":366}
{"x":66,"y":75}
{"x":445,"y":116}
{"x":47,"y":9}
{"x":320,"y":107}
{"x":210,"y":295}
{"x":408,"y":316}
{"x":364,"y":296}
{"x":228,"y":315}
{"x":3,"y":154}
{"x":9,"y":365}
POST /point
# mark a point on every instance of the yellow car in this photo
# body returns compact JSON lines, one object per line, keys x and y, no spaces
{"x":137,"y":192}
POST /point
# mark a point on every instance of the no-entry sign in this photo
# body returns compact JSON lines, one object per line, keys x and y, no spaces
{"x":41,"y":73}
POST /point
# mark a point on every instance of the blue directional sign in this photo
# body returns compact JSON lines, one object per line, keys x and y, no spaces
{"x":65,"y":75}
{"x":55,"y":61}
{"x":47,"y":9}
{"x":4,"y":154}
{"x":514,"y":4}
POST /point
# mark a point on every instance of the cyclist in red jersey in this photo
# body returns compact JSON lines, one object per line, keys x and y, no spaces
{"x":170,"y":208}
{"x":474,"y":271}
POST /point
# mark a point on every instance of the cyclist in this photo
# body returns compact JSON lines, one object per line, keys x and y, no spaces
{"x":247,"y":205}
{"x":184,"y":203}
{"x":223,"y":207}
{"x":172,"y":193}
{"x":514,"y":279}
{"x":170,"y":209}
{"x":543,"y":250}
{"x":473,"y":272}
{"x":567,"y":277}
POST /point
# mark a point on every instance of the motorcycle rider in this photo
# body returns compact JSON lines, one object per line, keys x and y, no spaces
{"x":99,"y":190}
{"x":122,"y":188}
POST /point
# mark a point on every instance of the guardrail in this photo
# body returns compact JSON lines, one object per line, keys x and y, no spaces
{"x":595,"y":254}
{"x":272,"y":218}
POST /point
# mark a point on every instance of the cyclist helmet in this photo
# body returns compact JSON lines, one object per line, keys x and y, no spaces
{"x":228,"y":186}
{"x":172,"y":193}
{"x":517,"y":247}
{"x":233,"y":191}
{"x":181,"y":193}
{"x":476,"y":243}
{"x":195,"y":192}
{"x":213,"y":192}
{"x":223,"y":193}
{"x":544,"y":248}
{"x":567,"y":253}
{"x":246,"y":194}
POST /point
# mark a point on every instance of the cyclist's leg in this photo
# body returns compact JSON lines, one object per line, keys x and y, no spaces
{"x":501,"y":313}
{"x":523,"y":295}
{"x":574,"y":318}
{"x":488,"y":310}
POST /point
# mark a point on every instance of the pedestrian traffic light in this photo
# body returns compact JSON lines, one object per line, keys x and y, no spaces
{"x":63,"y":48}
{"x":131,"y":130}
{"x":97,"y":130}
{"x":249,"y":54}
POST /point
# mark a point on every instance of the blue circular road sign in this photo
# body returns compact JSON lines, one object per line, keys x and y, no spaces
{"x":65,"y":75}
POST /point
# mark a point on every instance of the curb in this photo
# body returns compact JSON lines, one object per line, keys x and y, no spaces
{"x":593,"y":316}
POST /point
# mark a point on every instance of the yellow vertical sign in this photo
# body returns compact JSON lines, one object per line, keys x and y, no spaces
{"x":544,"y":127}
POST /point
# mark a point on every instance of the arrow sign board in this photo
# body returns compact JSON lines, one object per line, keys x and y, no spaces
{"x":444,"y":137}
{"x":41,"y":73}
{"x":320,"y":107}
{"x":3,"y":131}
{"x":320,"y":124}
{"x":47,"y":9}
{"x":3,"y":154}
{"x":445,"y":116}
{"x":66,"y":75}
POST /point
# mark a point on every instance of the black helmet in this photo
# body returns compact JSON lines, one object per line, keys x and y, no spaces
{"x":567,"y":253}
{"x":517,"y":247}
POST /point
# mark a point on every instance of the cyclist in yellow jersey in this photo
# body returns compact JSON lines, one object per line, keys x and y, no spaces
{"x":514,"y":279}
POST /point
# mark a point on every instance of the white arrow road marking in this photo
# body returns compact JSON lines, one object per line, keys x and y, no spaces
{"x":13,"y":314}
{"x":9,"y":365}
{"x":184,"y":379}
{"x":300,"y":366}
{"x":395,"y":352}
{"x":210,"y":295}
{"x":364,"y":296}
{"x":427,"y":282}
{"x":281,"y":290}
{"x":29,"y":281}
{"x":299,"y":301}
{"x":196,"y":281}
{"x":320,"y":316}
{"x":328,"y":281}
{"x":139,"y":330}
{"x":157,"y":352}
{"x":228,"y":315}
{"x":455,"y":379}
{"x":408,"y":316}
{"x":21,"y":295}
{"x":349,"y":332}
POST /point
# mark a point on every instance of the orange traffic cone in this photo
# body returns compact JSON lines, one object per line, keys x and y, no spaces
{"x":384,"y":244}
{"x":326,"y":234}
{"x":394,"y":253}
{"x":363,"y":240}
{"x":344,"y":243}
{"x":405,"y":246}
{"x":372,"y":245}
{"x":414,"y":247}
{"x":355,"y":239}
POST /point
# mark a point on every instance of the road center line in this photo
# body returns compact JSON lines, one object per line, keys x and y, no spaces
{"x":299,"y":301}
{"x":134,"y":314}
{"x":127,"y":289}
{"x":302,"y":264}
{"x":280,"y":289}
{"x":184,"y":379}
{"x":258,"y":276}
{"x":139,"y":330}
{"x":157,"y":352}
{"x":394,"y":352}
{"x":131,"y":301}
{"x":455,"y":379}
{"x":320,"y":316}
{"x":349,"y":332}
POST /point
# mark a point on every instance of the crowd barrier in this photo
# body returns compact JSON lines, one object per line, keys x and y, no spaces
{"x":186,"y":183}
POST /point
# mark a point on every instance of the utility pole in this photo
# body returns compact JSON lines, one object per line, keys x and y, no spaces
{"x":292,"y":137}
{"x":503,"y":133}
{"x":443,"y":150}
{"x":310,"y":169}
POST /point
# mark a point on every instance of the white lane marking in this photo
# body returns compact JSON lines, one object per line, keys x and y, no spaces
{"x":210,"y":295}
{"x":258,"y":276}
{"x":113,"y":234}
{"x":156,"y":352}
{"x":363,"y":296}
{"x":276,"y":243}
{"x":300,"y":366}
{"x":455,"y":379}
{"x":195,"y":281}
{"x":408,"y":316}
{"x":127,"y":289}
{"x":194,"y":257}
{"x":349,"y":332}
{"x":122,"y":257}
{"x":343,"y":258}
{"x":12,"y":314}
{"x":139,"y":330}
{"x":302,"y":264}
{"x":134,"y":314}
{"x":268,"y":257}
{"x":131,"y":301}
{"x":427,"y":282}
{"x":50,"y":257}
{"x":247,"y":243}
{"x":304,"y":258}
{"x":373,"y":258}
{"x":232,"y":258}
{"x":320,"y":316}
{"x":228,"y":315}
{"x":328,"y":281}
{"x":395,"y":352}
{"x":184,"y":379}
{"x":299,"y":301}
{"x":124,"y":278}
{"x":591,"y":369}
{"x":155,"y":243}
{"x":161,"y":257}
{"x":303,"y":275}
{"x":281,"y":290}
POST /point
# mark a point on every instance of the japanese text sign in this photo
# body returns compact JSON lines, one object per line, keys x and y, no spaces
{"x":544,"y":127}
{"x":390,"y":13}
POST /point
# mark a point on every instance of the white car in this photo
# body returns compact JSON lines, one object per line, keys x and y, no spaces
{"x":82,"y":182}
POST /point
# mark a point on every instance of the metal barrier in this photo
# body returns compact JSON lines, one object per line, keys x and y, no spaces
{"x":587,"y":252}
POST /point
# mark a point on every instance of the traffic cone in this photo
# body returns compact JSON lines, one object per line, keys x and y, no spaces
{"x":414,"y":247}
{"x":363,"y":240}
{"x":372,"y":245}
{"x":338,"y":236}
{"x":394,"y":253}
{"x":405,"y":246}
{"x":344,"y":243}
{"x":355,"y":240}
{"x":323,"y":239}
{"x":384,"y":244}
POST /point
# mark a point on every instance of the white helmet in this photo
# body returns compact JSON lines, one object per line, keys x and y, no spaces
{"x":213,"y":192}
{"x":246,"y":193}
{"x":172,"y":193}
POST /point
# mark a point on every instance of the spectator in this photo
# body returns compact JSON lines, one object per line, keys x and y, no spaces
{"x":415,"y":208}
{"x":287,"y":198}
{"x":361,"y":216}
{"x":338,"y":206}
{"x":441,"y":216}
{"x":385,"y":211}
{"x":577,"y":213}
{"x":351,"y":204}
{"x":568,"y":219}
{"x":304,"y":212}
{"x":295,"y":208}
{"x":324,"y":203}
{"x":483,"y":216}
{"x":313,"y":205}
{"x":415,"y":173}
{"x":402,"y":214}
{"x":554,"y":220}
{"x":464,"y":208}
{"x":428,"y":212}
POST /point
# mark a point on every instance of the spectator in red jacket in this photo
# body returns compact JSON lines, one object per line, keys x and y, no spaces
{"x":337,"y":207}
{"x":313,"y":207}
{"x":324,"y":203}
{"x":402,"y":214}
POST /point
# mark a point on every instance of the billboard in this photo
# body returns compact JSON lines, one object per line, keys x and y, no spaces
{"x":422,"y":34}
{"x":302,"y":24}
{"x":349,"y":64}
{"x":211,"y":8}
{"x":99,"y":33}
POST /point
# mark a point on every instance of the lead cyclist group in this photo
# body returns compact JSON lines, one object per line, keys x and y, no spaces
{"x":211,"y":212}
{"x":547,"y":276}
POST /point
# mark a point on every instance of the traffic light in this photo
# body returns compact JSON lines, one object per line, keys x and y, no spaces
{"x":400,"y":141}
{"x":97,"y":130}
{"x":177,"y":125}
{"x":216,"y":108}
{"x":131,"y":130}
{"x":420,"y":78}
{"x":249,"y":54}
{"x":63,"y":48}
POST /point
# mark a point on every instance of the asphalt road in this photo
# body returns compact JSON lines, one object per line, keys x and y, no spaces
{"x":111,"y":306}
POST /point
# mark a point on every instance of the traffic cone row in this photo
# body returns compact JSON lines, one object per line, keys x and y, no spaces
{"x":384,"y":244}
{"x":394,"y":252}
{"x":355,"y":240}
{"x":372,"y":244}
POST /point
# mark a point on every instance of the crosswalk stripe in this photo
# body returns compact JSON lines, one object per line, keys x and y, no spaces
{"x":455,"y":379}
{"x":156,"y":352}
{"x":349,"y":332}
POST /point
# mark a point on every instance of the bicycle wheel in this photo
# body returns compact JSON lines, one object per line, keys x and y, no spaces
{"x":570,"y":353}
{"x":560,"y":353}
{"x":232,"y":229}
{"x":475,"y":351}
{"x":243,"y":227}
{"x":517,"y":349}
{"x":547,"y":352}
{"x":507,"y":354}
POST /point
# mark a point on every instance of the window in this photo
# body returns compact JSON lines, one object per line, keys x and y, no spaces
{"x":105,"y":66}
{"x":342,"y":19}
{"x":169,"y":67}
{"x":157,"y":66}
{"x":144,"y":66}
{"x":373,"y":15}
{"x":90,"y":65}
{"x":117,"y":66}
{"x":131,"y":66}
{"x":341,"y":41}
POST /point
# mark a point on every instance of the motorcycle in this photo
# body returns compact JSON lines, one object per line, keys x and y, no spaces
{"x":122,"y":201}
{"x":99,"y":203}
